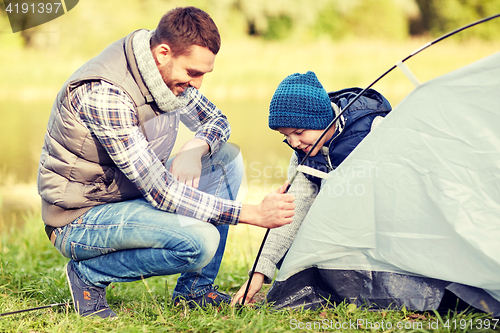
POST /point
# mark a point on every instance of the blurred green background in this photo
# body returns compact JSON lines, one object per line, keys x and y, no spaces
{"x":347,"y":43}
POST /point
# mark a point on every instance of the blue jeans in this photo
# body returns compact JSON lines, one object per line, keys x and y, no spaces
{"x":129,"y":240}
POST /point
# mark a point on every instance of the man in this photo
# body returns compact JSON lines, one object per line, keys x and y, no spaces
{"x":112,"y":201}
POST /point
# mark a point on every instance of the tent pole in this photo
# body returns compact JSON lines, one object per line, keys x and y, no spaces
{"x":33,"y":309}
{"x":347,"y":107}
{"x":255,"y":263}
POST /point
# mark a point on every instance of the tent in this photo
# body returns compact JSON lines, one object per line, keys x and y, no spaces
{"x":413,"y":213}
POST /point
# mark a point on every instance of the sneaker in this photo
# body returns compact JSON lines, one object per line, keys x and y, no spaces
{"x":213,"y":297}
{"x":88,"y":300}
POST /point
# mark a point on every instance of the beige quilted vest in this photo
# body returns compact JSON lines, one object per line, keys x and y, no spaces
{"x":75,"y":172}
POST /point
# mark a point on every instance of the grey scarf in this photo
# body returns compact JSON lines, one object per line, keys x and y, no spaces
{"x":163,"y":96}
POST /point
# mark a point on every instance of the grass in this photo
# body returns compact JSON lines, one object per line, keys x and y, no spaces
{"x":31,"y":275}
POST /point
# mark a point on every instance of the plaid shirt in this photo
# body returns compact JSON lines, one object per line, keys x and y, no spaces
{"x":110,"y":116}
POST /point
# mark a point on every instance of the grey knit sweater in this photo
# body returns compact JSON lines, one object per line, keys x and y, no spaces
{"x":280,"y":239}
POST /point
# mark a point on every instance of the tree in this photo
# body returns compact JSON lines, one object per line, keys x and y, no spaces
{"x":441,"y":16}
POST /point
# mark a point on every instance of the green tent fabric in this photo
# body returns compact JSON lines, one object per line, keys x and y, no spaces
{"x":419,"y":196}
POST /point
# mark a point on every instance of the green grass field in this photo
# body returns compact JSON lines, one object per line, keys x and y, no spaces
{"x":32,"y":275}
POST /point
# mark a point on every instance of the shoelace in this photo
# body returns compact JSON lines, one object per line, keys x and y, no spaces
{"x":220,"y":293}
{"x":102,"y":303}
{"x":98,"y":299}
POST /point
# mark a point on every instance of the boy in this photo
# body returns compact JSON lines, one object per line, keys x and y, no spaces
{"x":301,"y":110}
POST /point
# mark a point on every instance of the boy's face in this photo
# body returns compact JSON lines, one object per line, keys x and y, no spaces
{"x":304,"y":139}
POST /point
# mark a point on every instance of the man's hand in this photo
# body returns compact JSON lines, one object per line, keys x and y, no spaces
{"x":257,"y":281}
{"x":275,"y":210}
{"x":186,"y":166}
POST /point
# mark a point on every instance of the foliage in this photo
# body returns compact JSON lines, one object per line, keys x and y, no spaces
{"x":381,"y":19}
{"x":441,"y":16}
{"x":282,"y":19}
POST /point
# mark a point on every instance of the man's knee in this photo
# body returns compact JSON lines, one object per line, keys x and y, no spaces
{"x":231,"y":150}
{"x":233,"y":161}
{"x":230,"y":154}
{"x":207,"y":245}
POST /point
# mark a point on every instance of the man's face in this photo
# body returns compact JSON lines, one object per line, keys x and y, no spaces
{"x":185,"y":70}
{"x":304,"y":139}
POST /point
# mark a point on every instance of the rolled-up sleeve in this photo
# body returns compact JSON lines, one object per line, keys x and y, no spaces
{"x":204,"y":118}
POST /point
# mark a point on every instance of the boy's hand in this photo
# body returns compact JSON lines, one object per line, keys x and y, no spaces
{"x":275,"y":210}
{"x":257,"y":282}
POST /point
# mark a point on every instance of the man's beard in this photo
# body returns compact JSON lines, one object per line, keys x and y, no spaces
{"x":166,"y":75}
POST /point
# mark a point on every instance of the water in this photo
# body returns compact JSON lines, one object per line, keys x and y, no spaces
{"x":21,"y":133}
{"x":24,"y":123}
{"x":23,"y":128}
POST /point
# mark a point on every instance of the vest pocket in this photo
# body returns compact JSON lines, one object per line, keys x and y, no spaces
{"x":111,"y":186}
{"x":82,"y":252}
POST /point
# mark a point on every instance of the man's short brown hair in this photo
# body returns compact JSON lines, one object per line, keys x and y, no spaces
{"x":182,"y":27}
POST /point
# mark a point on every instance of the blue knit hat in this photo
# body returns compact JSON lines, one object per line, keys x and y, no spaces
{"x":300,"y":101}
